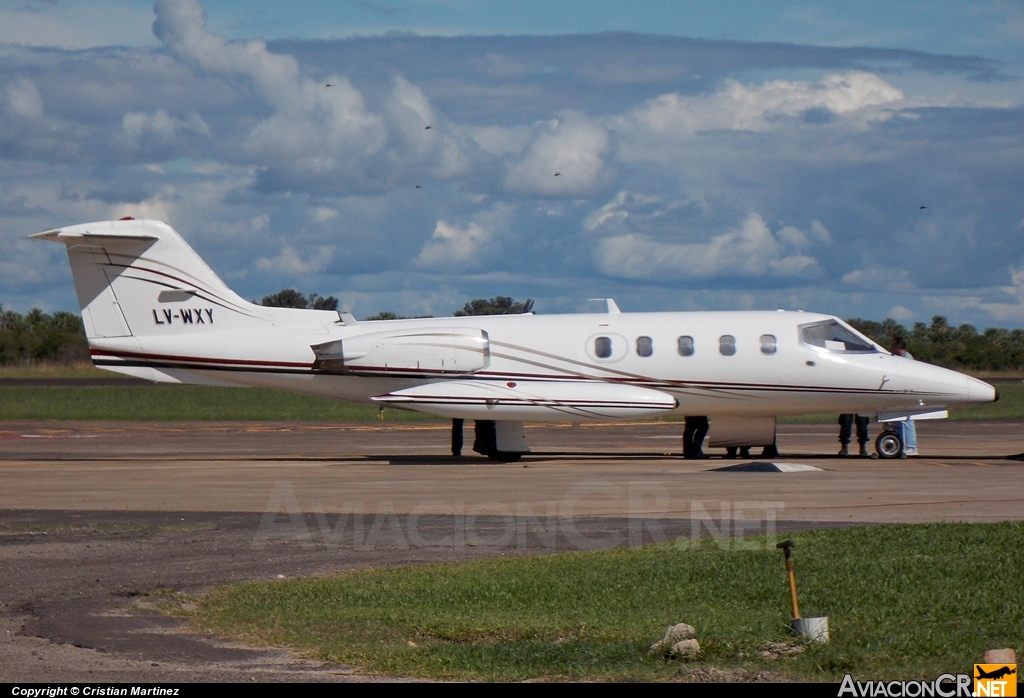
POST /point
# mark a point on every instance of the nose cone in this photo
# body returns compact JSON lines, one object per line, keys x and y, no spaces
{"x":980,"y":392}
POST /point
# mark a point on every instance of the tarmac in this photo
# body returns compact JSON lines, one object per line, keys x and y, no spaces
{"x":100,"y":520}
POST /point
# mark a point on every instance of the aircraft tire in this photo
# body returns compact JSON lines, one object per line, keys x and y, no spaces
{"x":504,"y":456}
{"x":889,"y":445}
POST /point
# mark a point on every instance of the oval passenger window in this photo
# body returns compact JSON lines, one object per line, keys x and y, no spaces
{"x":603,"y":347}
{"x":727,"y":345}
{"x":768,"y":344}
{"x":644,"y":346}
{"x":685,"y":346}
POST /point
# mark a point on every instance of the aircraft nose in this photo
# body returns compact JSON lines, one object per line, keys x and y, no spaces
{"x":980,"y":392}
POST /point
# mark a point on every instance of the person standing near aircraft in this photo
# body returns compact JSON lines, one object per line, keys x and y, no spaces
{"x":907,"y":429}
{"x":846,"y":431}
{"x":693,"y":437}
{"x":457,"y":437}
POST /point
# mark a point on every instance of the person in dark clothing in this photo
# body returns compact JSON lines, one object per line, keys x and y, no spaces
{"x":846,"y":431}
{"x":457,"y":437}
{"x":693,"y":436}
{"x":485,"y":439}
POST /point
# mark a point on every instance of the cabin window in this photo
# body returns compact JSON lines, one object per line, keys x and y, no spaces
{"x":831,"y":335}
{"x":685,"y":346}
{"x":768,"y":344}
{"x":727,"y":345}
{"x":603,"y":347}
{"x":644,"y":346}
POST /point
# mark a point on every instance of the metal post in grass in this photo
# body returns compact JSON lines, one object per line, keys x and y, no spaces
{"x":805,"y":628}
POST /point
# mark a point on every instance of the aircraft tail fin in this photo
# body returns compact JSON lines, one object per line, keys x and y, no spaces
{"x":138,"y":278}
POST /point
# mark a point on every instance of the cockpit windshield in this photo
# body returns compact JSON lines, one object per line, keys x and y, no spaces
{"x":833,"y":336}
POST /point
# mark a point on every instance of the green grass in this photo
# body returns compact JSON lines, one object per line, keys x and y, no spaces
{"x":81,"y":369}
{"x":182,"y":403}
{"x":903,"y":602}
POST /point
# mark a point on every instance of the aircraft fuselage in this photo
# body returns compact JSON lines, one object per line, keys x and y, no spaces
{"x":795,"y":378}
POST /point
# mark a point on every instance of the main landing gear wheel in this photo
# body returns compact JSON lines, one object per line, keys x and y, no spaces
{"x":889,"y":444}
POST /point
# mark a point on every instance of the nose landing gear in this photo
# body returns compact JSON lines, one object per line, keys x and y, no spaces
{"x":889,"y":444}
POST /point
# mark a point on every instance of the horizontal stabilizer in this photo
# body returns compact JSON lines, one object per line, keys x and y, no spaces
{"x":75,"y":235}
{"x":532,"y":401}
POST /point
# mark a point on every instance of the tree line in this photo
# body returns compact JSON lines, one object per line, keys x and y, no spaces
{"x":60,"y":337}
{"x":963,"y":347}
{"x":41,"y":337}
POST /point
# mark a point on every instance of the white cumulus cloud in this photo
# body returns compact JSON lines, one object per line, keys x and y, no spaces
{"x":419,"y":139}
{"x":901,"y":313}
{"x":322,"y":214}
{"x":160,"y":207}
{"x":23,"y":99}
{"x":467,"y":247}
{"x":735,"y":106}
{"x":260,"y":222}
{"x":880,"y":278}
{"x":453,"y":246}
{"x":1007,"y":311}
{"x":568,"y":156}
{"x":312,"y":124}
{"x":161,"y":124}
{"x":290,"y":263}
{"x":625,"y":209}
{"x":751,"y":250}
{"x":320,"y":132}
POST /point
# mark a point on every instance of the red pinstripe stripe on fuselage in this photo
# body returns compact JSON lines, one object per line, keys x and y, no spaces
{"x":227,"y":364}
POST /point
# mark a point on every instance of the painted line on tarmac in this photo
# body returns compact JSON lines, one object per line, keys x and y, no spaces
{"x":912,"y":504}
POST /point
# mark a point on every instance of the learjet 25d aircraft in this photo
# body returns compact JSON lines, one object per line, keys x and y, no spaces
{"x":153,"y":309}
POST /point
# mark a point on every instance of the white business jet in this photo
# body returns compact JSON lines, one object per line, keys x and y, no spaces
{"x":153,"y":309}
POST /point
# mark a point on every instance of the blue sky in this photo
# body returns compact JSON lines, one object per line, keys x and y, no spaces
{"x":992,"y":29}
{"x":709,"y":155}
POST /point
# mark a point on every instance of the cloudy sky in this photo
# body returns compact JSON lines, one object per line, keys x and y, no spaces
{"x":851,"y":158}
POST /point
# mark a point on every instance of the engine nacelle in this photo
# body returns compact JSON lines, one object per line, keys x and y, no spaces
{"x":437,"y":351}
